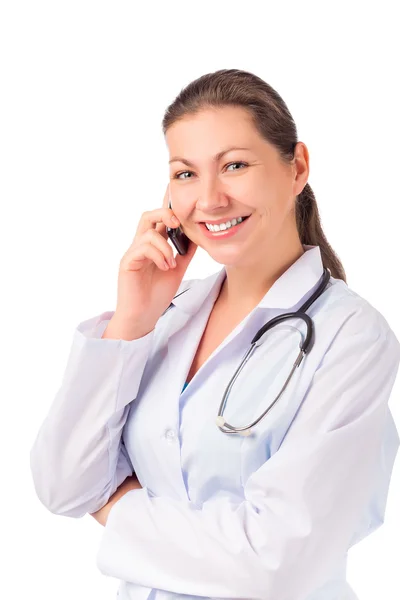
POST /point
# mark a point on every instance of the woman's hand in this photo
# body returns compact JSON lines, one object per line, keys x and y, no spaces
{"x":130,"y":483}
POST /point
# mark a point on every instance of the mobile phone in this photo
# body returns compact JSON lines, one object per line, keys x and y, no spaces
{"x":178,"y":238}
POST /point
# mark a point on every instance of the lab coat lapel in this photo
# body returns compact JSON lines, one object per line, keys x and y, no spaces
{"x":180,"y":348}
{"x":194,"y":308}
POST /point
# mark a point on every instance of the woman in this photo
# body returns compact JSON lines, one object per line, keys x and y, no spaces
{"x":189,"y":509}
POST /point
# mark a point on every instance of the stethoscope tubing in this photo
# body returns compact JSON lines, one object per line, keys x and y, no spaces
{"x":305,"y":347}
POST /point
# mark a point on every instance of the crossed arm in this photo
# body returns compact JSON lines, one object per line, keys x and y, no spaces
{"x":130,"y":483}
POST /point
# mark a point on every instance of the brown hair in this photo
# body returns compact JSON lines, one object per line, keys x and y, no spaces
{"x":275,"y":124}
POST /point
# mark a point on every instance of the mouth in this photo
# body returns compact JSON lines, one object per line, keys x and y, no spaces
{"x":223,"y":234}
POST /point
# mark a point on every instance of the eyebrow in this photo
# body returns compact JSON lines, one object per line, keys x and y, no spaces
{"x":215,"y":158}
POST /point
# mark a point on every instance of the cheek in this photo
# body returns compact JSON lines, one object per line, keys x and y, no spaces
{"x":275,"y":200}
{"x":181,"y":206}
{"x":270,"y":210}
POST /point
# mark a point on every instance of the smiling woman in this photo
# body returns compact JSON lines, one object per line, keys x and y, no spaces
{"x":211,"y":514}
{"x":236,"y":135}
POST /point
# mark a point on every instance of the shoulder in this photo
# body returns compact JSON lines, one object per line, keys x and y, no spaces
{"x":352,"y":314}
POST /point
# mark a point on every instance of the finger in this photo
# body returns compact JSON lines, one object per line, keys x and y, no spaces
{"x":155,"y":219}
{"x":142,"y":252}
{"x":160,"y":227}
{"x":159,"y":242}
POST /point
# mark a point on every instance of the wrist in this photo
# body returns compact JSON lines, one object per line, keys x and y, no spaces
{"x":124,"y":329}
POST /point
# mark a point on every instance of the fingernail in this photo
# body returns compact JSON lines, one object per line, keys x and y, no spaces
{"x":172,"y":262}
{"x":175,"y":220}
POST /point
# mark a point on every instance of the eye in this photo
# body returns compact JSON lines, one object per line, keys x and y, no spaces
{"x":237,"y":163}
{"x":177,"y":176}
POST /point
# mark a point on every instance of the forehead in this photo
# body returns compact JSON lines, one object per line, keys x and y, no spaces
{"x":221,"y":119}
{"x":212,"y":129}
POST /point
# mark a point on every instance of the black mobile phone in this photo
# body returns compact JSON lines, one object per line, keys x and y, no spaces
{"x":178,"y":238}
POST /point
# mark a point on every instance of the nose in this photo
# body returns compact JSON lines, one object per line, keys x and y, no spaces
{"x":212,"y":195}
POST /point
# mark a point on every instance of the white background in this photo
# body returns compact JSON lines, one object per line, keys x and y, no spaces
{"x":83,"y":89}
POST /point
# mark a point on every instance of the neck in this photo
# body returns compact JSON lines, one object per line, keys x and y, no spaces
{"x":247,"y":283}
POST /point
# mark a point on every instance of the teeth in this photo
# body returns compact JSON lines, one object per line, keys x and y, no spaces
{"x":224,"y":226}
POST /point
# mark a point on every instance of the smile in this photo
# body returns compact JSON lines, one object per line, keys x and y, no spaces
{"x":225,"y":233}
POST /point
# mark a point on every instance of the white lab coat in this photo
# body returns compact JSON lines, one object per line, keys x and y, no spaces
{"x":270,"y":516}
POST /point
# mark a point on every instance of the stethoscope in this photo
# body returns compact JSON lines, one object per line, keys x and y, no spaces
{"x":304,"y":348}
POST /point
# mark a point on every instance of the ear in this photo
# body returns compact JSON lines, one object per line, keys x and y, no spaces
{"x":302,"y":167}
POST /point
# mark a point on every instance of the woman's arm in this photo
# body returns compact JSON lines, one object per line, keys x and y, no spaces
{"x":77,"y":460}
{"x":130,"y":483}
{"x":301,"y":508}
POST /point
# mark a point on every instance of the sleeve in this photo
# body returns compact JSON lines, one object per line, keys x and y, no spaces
{"x":300,"y":508}
{"x":78,"y":459}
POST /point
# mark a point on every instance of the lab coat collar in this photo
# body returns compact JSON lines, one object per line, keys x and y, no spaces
{"x":285,"y":293}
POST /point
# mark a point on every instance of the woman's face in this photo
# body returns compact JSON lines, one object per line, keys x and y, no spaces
{"x":251,"y":182}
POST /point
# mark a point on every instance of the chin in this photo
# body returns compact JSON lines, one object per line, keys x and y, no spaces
{"x":228,"y":259}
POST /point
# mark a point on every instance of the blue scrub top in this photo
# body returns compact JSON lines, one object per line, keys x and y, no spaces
{"x":186,"y":384}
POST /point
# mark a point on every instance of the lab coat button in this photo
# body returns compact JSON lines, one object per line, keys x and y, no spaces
{"x":170,"y":435}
